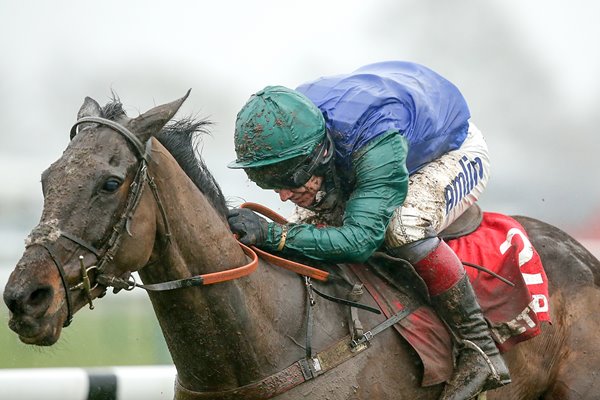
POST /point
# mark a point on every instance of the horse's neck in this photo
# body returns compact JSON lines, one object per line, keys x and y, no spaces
{"x":213,"y":332}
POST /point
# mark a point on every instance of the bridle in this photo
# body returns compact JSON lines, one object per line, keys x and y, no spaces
{"x":111,"y":245}
{"x":108,"y":251}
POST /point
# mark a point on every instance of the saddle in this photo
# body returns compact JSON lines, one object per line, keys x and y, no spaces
{"x":514,"y":313}
{"x":467,"y":223}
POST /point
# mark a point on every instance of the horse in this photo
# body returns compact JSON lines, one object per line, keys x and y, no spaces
{"x":130,"y":194}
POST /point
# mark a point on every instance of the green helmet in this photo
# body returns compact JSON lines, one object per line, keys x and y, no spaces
{"x":276,"y":124}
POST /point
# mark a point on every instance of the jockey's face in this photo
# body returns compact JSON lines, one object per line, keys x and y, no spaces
{"x":303,"y":196}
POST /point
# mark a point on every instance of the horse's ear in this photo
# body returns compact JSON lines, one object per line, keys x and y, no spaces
{"x":153,"y":120}
{"x":89,"y":108}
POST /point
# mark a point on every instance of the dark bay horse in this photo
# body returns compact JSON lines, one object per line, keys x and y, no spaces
{"x":123,"y":204}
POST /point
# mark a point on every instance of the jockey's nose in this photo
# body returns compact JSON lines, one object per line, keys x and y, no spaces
{"x":285,"y":194}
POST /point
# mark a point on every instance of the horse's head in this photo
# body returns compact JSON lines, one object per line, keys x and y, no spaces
{"x":91,"y":194}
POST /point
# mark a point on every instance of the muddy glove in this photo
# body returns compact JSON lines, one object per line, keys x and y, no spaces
{"x":250,"y":227}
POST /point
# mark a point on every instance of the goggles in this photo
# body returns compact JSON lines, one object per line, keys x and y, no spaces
{"x":293,"y":173}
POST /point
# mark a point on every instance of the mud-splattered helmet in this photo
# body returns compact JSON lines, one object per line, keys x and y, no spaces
{"x":280,"y":138}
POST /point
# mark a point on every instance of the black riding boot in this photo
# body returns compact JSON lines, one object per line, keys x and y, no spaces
{"x":479,"y":365}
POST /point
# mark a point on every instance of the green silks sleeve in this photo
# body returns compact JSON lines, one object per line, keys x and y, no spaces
{"x":381,"y":187}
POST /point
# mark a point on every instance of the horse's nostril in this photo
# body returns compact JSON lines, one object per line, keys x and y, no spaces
{"x":40,"y":297}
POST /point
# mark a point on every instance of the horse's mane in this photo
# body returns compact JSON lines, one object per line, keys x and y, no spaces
{"x":180,"y":139}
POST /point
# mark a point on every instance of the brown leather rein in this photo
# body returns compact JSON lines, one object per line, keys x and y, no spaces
{"x":251,"y":251}
{"x":293,"y":266}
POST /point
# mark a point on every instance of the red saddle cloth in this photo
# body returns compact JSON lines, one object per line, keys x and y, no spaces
{"x":499,"y":244}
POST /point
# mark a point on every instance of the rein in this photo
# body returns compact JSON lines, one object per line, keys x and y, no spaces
{"x":251,"y":251}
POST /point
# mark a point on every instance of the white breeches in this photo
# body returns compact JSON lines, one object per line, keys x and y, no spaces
{"x":441,"y":191}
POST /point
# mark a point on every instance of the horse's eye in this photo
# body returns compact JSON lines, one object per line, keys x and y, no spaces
{"x":111,"y":185}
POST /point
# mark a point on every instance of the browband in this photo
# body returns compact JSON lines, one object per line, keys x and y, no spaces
{"x":126,"y":133}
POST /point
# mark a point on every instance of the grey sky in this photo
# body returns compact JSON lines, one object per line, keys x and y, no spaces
{"x":529,"y":71}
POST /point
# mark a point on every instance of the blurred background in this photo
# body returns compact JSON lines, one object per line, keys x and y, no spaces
{"x":529,"y":71}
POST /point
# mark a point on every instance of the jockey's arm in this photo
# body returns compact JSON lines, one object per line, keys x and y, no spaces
{"x":381,"y":187}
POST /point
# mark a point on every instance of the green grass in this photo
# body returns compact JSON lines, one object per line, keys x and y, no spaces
{"x":116,"y":332}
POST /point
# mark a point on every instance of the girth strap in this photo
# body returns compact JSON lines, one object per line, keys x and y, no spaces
{"x":301,"y":371}
{"x":282,"y":381}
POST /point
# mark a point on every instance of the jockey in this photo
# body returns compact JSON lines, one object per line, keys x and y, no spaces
{"x":387,"y":155}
